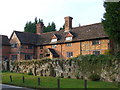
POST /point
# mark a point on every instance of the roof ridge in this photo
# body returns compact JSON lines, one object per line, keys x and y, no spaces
{"x":87,"y":25}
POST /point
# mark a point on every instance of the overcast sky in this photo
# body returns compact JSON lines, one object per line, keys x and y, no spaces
{"x":15,"y":13}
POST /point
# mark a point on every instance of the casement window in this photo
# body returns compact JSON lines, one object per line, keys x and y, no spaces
{"x":41,"y":56}
{"x":68,"y":38}
{"x":28,"y":57}
{"x":54,"y":46}
{"x":69,"y":54}
{"x":41,"y":47}
{"x":96,"y":52}
{"x":54,"y":40}
{"x":95,"y":42}
{"x":30,"y":47}
{"x":13,"y":57}
{"x":68,"y":44}
{"x":14,"y":45}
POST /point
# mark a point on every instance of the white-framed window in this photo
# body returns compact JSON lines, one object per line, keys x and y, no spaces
{"x":68,"y":38}
{"x":54,"y":40}
{"x":14,"y":45}
{"x":69,"y":54}
{"x":54,"y":46}
{"x":30,"y":47}
{"x":95,"y":42}
{"x":68,"y":44}
{"x":13,"y":57}
{"x":96,"y":52}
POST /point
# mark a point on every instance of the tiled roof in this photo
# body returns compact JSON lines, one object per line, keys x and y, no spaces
{"x":93,"y":31}
{"x":5,"y":40}
{"x":26,"y":37}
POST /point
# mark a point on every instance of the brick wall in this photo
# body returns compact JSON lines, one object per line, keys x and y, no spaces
{"x":6,"y":52}
{"x":78,"y":48}
{"x":88,"y":48}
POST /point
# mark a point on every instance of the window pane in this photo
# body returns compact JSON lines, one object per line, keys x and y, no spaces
{"x":30,"y":47}
{"x":41,"y":56}
{"x":94,"y":42}
{"x":68,"y":38}
{"x":54,"y":46}
{"x":96,"y":52}
{"x":69,"y":54}
{"x":69,"y":44}
{"x":53,"y":40}
{"x":14,"y":57}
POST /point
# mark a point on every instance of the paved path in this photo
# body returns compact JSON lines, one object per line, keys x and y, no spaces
{"x":11,"y":87}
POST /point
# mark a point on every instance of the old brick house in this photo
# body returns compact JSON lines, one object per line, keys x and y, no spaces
{"x":70,"y":42}
{"x":4,"y":47}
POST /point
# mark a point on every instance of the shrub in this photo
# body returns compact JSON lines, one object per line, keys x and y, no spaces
{"x":94,"y":77}
{"x":108,"y":52}
{"x":30,"y":73}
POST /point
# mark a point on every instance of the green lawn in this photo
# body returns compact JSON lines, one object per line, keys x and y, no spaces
{"x":50,"y":82}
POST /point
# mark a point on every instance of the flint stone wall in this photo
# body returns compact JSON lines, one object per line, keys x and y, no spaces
{"x":66,"y":69}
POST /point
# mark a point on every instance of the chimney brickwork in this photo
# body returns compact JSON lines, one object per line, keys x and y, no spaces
{"x":68,"y":23}
{"x":39,"y":28}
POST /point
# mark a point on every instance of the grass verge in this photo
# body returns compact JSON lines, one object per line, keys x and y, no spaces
{"x":50,"y":82}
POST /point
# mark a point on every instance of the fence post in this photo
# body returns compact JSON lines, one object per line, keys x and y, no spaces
{"x":38,"y":81}
{"x":85,"y":84}
{"x":58,"y":83}
{"x":23,"y":79}
{"x":10,"y":78}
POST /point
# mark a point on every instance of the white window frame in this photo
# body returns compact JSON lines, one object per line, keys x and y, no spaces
{"x":96,"y":52}
{"x":69,"y":54}
{"x":54,"y":40}
{"x":68,"y":44}
{"x":95,"y":42}
{"x":54,"y":46}
{"x":68,"y":38}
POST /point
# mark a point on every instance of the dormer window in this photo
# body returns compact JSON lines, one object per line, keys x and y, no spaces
{"x":54,"y":38}
{"x":69,"y":36}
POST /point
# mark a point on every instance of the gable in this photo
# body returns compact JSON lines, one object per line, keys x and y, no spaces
{"x":54,"y":36}
{"x":14,"y":38}
{"x":69,"y":35}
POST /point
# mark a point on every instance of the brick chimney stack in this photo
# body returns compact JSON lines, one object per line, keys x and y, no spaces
{"x":39,"y":28}
{"x":68,"y":23}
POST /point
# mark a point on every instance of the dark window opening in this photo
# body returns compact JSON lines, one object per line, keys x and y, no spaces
{"x":41,"y":56}
{"x":28,"y":57}
{"x":95,"y":42}
{"x":69,"y":54}
{"x":13,"y":57}
{"x":30,"y":47}
{"x":41,"y":47}
{"x":96,"y":52}
{"x":69,"y":44}
{"x":14,"y":45}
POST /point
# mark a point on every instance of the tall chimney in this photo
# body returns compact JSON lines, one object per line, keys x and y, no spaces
{"x":39,"y":28}
{"x":68,"y":23}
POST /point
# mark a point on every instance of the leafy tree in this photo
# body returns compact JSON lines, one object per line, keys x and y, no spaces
{"x":31,"y":26}
{"x":62,"y":28}
{"x":111,"y":21}
{"x":51,"y":27}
